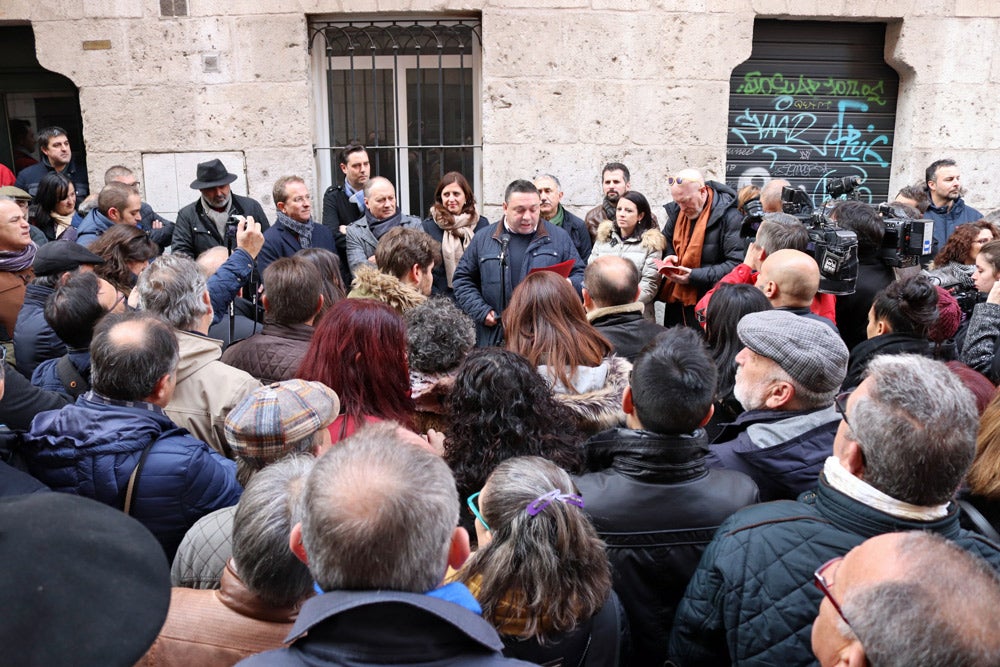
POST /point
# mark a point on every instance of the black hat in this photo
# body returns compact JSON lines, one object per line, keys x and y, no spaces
{"x":212,"y":174}
{"x":56,"y":257}
{"x":84,"y":584}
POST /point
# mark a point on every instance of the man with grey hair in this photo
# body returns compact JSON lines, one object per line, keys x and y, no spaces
{"x":262,"y":586}
{"x":551,"y":209}
{"x":787,"y":375}
{"x":770,"y":195}
{"x":175,"y":289}
{"x":375,"y":494}
{"x":778,"y":231}
{"x":118,"y":445}
{"x":906,"y":599}
{"x":904,"y":444}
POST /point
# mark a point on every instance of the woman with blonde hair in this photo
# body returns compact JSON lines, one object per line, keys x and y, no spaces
{"x":541,"y":573}
{"x":547,"y":325}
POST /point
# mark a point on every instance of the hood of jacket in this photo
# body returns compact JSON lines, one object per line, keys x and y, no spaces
{"x":370,"y":283}
{"x":597,"y":402}
{"x":95,"y":222}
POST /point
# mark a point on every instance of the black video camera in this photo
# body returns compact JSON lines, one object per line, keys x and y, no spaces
{"x":835,"y":250}
{"x":751,"y":221}
{"x":906,"y":240}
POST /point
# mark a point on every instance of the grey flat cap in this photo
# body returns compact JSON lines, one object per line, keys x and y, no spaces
{"x":809,"y":351}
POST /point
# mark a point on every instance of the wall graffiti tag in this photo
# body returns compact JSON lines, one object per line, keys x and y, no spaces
{"x":805,"y":119}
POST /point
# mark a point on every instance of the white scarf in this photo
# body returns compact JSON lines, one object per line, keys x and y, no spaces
{"x":857,"y":489}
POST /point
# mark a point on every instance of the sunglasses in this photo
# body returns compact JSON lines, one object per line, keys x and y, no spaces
{"x":681,"y":181}
{"x":471,"y":502}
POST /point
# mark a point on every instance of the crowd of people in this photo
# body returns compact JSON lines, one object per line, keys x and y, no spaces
{"x":353,"y":436}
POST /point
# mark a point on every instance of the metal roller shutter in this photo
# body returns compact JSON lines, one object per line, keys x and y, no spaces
{"x":816,"y":100}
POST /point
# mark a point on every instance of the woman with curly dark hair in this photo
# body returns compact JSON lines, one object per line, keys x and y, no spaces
{"x":126,"y":250}
{"x":541,"y":574}
{"x":499,"y":408}
{"x":956,"y":261}
{"x":547,"y":325}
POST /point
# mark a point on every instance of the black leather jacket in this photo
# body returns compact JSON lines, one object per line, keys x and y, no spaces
{"x":656,"y":506}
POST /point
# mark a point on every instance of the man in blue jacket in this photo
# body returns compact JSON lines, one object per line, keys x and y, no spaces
{"x":501,"y":255}
{"x":947,"y":208}
{"x":118,"y":446}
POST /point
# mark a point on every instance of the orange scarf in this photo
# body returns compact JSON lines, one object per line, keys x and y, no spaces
{"x":688,"y":245}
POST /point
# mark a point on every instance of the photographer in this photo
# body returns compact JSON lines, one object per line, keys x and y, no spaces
{"x":980,"y":350}
{"x":874,"y":275}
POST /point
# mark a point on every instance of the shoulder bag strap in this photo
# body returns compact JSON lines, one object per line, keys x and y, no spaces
{"x":982,"y":525}
{"x":133,"y":479}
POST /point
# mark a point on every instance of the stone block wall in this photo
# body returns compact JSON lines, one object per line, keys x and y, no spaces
{"x":566,"y":84}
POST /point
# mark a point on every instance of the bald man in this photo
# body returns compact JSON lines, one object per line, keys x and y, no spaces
{"x":703,"y":242}
{"x":790,"y":280}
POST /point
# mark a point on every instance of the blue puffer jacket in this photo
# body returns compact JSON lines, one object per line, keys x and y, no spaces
{"x":477,"y":278}
{"x":90,"y":449}
{"x":752,"y":600}
{"x":783,"y":452}
{"x":34,"y":339}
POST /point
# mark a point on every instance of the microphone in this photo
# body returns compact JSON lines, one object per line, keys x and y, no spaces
{"x":504,"y":242}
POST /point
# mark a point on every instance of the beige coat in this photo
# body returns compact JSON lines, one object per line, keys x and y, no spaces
{"x":207,"y":390}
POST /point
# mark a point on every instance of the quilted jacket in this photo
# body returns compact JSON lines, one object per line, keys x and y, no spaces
{"x":642,"y":250}
{"x":91,"y":448}
{"x":752,"y":600}
{"x":274,"y":354}
{"x":203,"y":553}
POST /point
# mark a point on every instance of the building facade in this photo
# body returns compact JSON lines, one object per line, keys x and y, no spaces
{"x":508,"y":89}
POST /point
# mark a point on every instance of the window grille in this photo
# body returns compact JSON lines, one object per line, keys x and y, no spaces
{"x":409,"y":92}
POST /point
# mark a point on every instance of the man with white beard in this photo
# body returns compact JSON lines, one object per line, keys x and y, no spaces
{"x":787,"y":378}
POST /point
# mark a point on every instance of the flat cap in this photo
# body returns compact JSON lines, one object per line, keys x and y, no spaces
{"x":14,"y":193}
{"x":809,"y":351}
{"x":265,"y":425}
{"x":57,"y":256}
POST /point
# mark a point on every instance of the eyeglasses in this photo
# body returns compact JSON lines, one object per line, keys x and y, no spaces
{"x":681,"y":181}
{"x":840,"y":405}
{"x":471,"y":502}
{"x":824,"y":585}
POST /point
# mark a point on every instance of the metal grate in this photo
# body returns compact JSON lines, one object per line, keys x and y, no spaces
{"x":408,"y":91}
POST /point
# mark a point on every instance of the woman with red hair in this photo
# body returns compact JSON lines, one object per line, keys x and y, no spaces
{"x":547,"y":325}
{"x":359,"y":351}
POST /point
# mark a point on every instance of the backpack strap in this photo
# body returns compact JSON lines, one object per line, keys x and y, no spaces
{"x":72,"y":381}
{"x":982,"y":525}
{"x":133,"y":479}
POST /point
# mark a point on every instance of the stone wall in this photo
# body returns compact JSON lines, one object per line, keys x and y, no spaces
{"x":566,"y":84}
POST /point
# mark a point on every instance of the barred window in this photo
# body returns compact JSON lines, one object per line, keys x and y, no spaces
{"x":408,"y":90}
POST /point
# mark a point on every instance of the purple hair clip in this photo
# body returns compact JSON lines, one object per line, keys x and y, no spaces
{"x":544,"y":500}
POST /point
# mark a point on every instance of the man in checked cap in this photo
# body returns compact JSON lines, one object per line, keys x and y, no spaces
{"x":787,"y":375}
